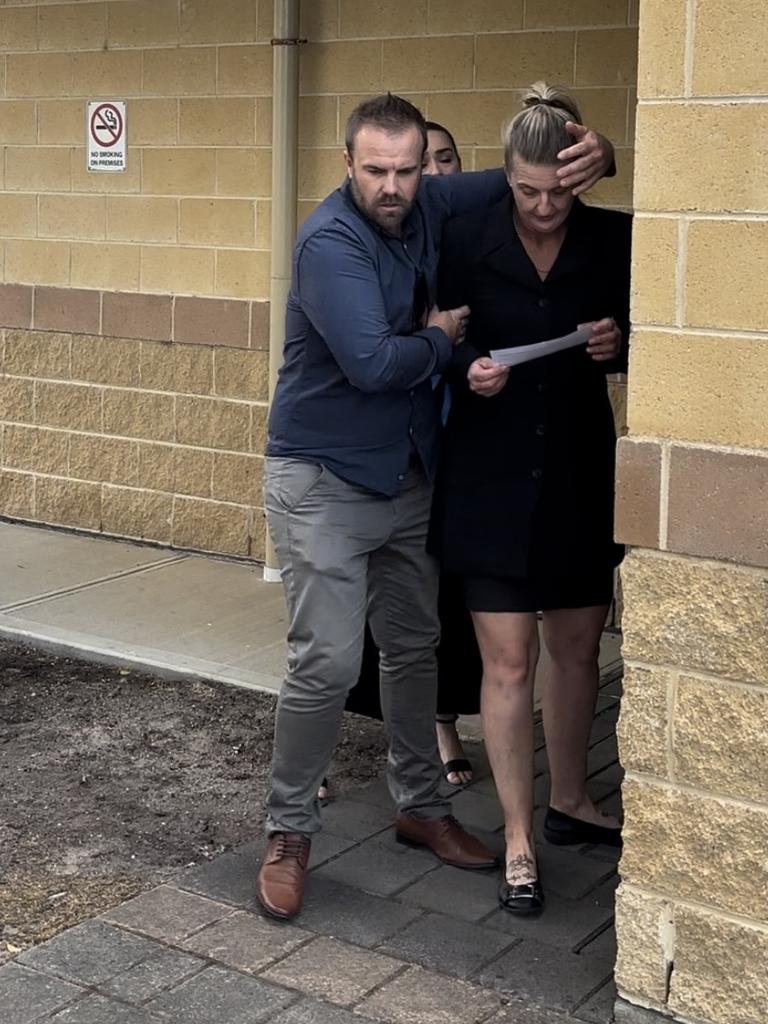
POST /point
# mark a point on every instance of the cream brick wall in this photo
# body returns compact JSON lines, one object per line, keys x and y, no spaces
{"x":692,"y":912}
{"x":160,"y":440}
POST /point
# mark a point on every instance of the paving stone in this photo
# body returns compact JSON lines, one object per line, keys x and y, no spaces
{"x":312,"y":1011}
{"x":376,"y":793}
{"x":443,"y":944}
{"x":326,"y":846}
{"x":627,"y":1013}
{"x":167,"y":968}
{"x":333,"y":970}
{"x":601,"y":729}
{"x":230,"y":878}
{"x":422,"y":997}
{"x":485,"y":786}
{"x":566,"y":872}
{"x":603,"y":944}
{"x":475,"y":810}
{"x":605,"y":895}
{"x":167,"y":913}
{"x":352,"y":819}
{"x":221,"y":996}
{"x":598,"y":1009}
{"x":100,"y":1010}
{"x":601,"y":756}
{"x":90,"y":954}
{"x":523,"y":1013}
{"x":379,"y":867}
{"x":546,"y":975}
{"x":564,"y":923}
{"x":468,"y":895}
{"x":27,"y":995}
{"x":246,"y":941}
{"x":331,"y":908}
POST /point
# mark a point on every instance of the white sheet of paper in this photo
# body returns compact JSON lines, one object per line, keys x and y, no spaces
{"x":525,"y":353}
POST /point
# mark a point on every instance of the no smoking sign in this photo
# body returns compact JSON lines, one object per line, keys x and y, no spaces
{"x":106,"y":129}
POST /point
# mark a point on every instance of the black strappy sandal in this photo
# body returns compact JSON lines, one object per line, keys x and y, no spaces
{"x":456,"y":764}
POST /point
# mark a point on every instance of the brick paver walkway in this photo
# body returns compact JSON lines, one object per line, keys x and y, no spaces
{"x":388,"y":933}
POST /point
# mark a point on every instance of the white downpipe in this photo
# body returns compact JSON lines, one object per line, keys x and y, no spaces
{"x":285,"y":159}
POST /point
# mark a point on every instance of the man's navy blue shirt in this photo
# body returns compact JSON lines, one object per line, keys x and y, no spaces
{"x":354,"y":393}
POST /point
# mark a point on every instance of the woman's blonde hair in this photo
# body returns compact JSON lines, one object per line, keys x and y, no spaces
{"x":537,"y":133}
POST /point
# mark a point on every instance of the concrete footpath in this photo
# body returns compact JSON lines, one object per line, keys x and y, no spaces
{"x":388,"y":933}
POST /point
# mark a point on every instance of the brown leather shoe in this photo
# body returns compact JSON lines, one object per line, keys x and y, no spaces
{"x":280,"y":882}
{"x":447,"y":840}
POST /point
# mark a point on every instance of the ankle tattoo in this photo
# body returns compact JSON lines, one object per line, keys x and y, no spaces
{"x":521,"y":869}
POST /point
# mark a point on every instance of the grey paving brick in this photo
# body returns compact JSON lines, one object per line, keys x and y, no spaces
{"x":601,"y":729}
{"x":230,"y":877}
{"x":167,"y":913}
{"x":376,"y":793}
{"x":96,"y":1009}
{"x":523,"y":1013}
{"x":476,"y":810}
{"x":445,"y":944}
{"x":246,"y":941}
{"x":333,"y":970}
{"x":312,"y":1011}
{"x":468,"y":895}
{"x":486,"y":786}
{"x":352,"y":819}
{"x":379,"y":867}
{"x":603,"y":944}
{"x":628,"y":1013}
{"x":546,"y":975}
{"x":566,"y":872}
{"x":563,"y":924}
{"x":221,"y":996}
{"x":598,"y":1009}
{"x":142,"y":981}
{"x":422,"y":997}
{"x":605,"y":894}
{"x":90,"y":954}
{"x":326,"y":846}
{"x":331,"y":908}
{"x":27,"y":995}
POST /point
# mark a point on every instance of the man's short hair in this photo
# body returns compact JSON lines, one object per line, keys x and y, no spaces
{"x":392,"y":113}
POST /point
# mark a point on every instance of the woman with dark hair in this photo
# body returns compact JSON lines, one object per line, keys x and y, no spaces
{"x":523,"y":509}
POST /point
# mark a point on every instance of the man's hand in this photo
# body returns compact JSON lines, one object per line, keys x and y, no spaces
{"x":605,"y":341}
{"x":487,"y":378}
{"x":586,"y":161}
{"x":452,"y":321}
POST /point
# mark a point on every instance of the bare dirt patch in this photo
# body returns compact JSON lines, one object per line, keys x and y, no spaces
{"x":111,"y":780}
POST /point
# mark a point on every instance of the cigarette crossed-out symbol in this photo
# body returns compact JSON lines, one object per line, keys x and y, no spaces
{"x":106,"y":125}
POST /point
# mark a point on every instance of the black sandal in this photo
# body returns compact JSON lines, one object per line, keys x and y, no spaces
{"x":456,"y":764}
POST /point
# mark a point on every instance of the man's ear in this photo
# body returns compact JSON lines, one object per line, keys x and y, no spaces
{"x":348,"y":162}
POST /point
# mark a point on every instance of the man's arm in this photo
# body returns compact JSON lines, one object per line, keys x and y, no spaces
{"x":340,"y":292}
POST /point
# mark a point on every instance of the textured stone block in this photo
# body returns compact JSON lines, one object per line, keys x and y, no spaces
{"x":643,"y":722}
{"x":167,"y":913}
{"x":720,"y":739}
{"x":645,"y":932}
{"x":237,"y":478}
{"x":179,"y":171}
{"x":145,"y":515}
{"x":141,"y":218}
{"x":664,"y":366}
{"x":16,"y":494}
{"x":27,"y":995}
{"x":739,"y":301}
{"x":83,"y":180}
{"x":335,"y":67}
{"x":60,"y":122}
{"x":107,"y":73}
{"x":241,"y":374}
{"x":68,"y":502}
{"x":18,"y":123}
{"x":333,"y":970}
{"x":217,"y":995}
{"x":90,"y":954}
{"x":700,"y":616}
{"x":245,"y":70}
{"x":153,"y":121}
{"x":260,"y":326}
{"x":210,"y":321}
{"x":654,"y":270}
{"x":217,"y":121}
{"x":665,"y":134}
{"x":16,"y":399}
{"x":37,"y":353}
{"x":443,"y":62}
{"x":244,"y":172}
{"x":105,"y":360}
{"x":103,"y":459}
{"x":445,"y":16}
{"x":719,"y":970}
{"x":387,"y":18}
{"x":68,"y":405}
{"x":183,"y":368}
{"x":232,"y":21}
{"x":661,"y":64}
{"x":210,"y":526}
{"x":34,"y":261}
{"x":577,"y":13}
{"x":33,"y":450}
{"x":138,"y":414}
{"x":72,"y":26}
{"x":730,"y":42}
{"x":162,"y":971}
{"x":434,"y":941}
{"x":18,"y":214}
{"x":38,"y":74}
{"x":684,"y":845}
{"x":229,"y":222}
{"x":428,"y":998}
{"x":39,"y":169}
{"x":18,"y":29}
{"x":320,"y":172}
{"x":67,"y":309}
{"x":514,"y":60}
{"x":212,"y":424}
{"x":144,"y":23}
{"x":606,"y":57}
{"x":638,"y":493}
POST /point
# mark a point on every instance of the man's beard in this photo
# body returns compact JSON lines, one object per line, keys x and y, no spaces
{"x":389,"y":220}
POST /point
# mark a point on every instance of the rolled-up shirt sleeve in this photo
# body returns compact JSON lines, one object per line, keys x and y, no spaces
{"x":340,"y":292}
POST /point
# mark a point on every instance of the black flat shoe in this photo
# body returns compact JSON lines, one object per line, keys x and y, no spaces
{"x":563,"y":830}
{"x":525,"y":899}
